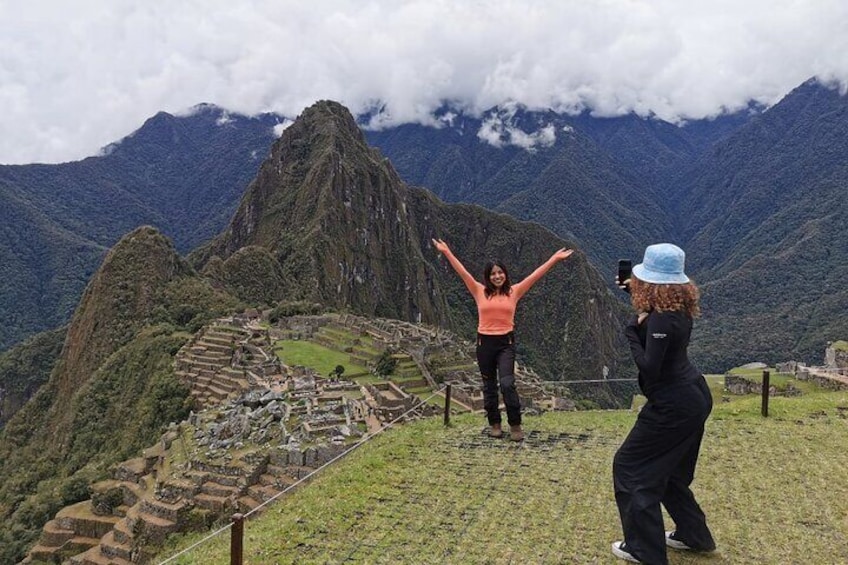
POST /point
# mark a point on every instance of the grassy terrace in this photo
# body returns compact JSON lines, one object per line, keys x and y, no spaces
{"x":774,"y":490}
{"x":318,"y":357}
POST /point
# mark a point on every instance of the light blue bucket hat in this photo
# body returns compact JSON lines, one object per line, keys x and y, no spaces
{"x":662,"y":264}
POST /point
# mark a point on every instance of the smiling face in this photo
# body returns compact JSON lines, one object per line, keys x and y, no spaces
{"x":497,"y":277}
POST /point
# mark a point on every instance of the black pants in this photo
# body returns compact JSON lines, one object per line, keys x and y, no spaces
{"x":655,"y":465}
{"x":496,"y":359}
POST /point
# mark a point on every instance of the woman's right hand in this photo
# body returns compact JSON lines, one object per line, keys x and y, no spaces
{"x":441,"y":246}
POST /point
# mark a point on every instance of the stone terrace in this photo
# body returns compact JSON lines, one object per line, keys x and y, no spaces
{"x":261,"y":428}
{"x":187,"y":481}
{"x":224,"y":360}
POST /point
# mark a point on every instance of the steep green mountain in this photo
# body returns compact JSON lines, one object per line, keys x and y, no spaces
{"x":185,"y":175}
{"x":764,"y":221}
{"x":182,"y":174}
{"x":328,"y":220}
{"x":602,"y":182}
{"x":732,"y":191}
{"x":581,"y":191}
{"x":111,"y":389}
{"x":43,"y":269}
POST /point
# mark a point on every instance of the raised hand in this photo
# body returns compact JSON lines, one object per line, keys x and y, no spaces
{"x":563,"y":254}
{"x":441,"y":246}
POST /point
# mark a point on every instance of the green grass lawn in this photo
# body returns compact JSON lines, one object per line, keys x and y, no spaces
{"x":318,"y":357}
{"x":775,"y":490}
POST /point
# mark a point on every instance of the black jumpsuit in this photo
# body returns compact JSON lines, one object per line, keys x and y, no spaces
{"x":656,"y":463}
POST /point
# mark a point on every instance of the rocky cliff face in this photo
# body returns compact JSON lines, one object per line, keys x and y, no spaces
{"x":349,"y":233}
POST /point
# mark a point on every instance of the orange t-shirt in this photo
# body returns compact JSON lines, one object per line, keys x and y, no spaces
{"x":496,"y":314}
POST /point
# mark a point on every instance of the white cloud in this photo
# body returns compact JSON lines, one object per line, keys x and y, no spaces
{"x":282,"y":126}
{"x":77,"y":76}
{"x":501,"y":128}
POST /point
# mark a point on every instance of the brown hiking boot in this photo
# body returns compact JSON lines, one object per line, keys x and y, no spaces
{"x":516,"y":433}
{"x":495,"y":431}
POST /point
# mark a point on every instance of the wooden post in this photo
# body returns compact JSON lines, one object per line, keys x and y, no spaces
{"x":447,"y":405}
{"x":237,"y":540}
{"x":765,"y":393}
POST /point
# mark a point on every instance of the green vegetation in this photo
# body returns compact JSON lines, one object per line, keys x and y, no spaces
{"x":778,"y":380}
{"x":112,"y":389}
{"x":254,"y":275}
{"x":771,"y":488}
{"x":840,"y":345}
{"x":26,"y":367}
{"x":386,"y":364}
{"x":314,"y":356}
{"x":296,"y":308}
{"x":183,"y":174}
{"x":122,"y":409}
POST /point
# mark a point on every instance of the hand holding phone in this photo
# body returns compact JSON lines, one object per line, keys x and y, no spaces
{"x":625,"y":270}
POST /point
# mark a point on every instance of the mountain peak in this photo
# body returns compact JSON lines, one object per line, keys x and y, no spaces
{"x":118,"y":300}
{"x":324,"y":121}
{"x":319,"y":171}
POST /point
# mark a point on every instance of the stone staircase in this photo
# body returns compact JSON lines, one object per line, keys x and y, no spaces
{"x":78,"y":531}
{"x":75,"y":529}
{"x":205,"y":365}
{"x":134,"y":511}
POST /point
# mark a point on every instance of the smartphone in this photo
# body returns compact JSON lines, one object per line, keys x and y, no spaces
{"x":625,"y":269}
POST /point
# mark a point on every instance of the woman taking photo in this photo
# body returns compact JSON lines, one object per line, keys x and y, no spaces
{"x":656,"y":463}
{"x":496,"y":300}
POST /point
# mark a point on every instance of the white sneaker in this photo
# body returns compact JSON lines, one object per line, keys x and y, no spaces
{"x":674,"y":543}
{"x":620,"y":551}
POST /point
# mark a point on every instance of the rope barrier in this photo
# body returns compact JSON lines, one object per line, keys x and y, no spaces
{"x":368,"y":438}
{"x":358,"y":444}
{"x":586,"y":381}
{"x":201,"y":542}
{"x":363,"y":441}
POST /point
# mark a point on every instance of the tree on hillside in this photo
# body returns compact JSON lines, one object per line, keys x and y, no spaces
{"x":337,"y":373}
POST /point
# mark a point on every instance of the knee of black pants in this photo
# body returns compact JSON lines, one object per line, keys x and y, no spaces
{"x":507,"y":383}
{"x":490,"y":385}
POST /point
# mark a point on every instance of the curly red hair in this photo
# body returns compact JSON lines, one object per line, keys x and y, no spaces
{"x":649,"y":297}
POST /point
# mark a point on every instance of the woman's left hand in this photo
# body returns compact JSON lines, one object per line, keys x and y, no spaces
{"x":563,"y":254}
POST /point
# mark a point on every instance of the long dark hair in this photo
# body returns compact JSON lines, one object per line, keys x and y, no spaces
{"x":487,"y":279}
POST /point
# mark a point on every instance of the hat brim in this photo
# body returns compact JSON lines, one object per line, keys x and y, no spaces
{"x":657,"y":277}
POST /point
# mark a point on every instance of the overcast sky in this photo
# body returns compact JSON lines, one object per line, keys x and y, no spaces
{"x":75,"y":76}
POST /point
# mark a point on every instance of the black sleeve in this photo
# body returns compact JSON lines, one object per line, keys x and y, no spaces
{"x":649,"y":358}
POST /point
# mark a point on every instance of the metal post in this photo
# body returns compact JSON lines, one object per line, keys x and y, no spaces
{"x":765,"y":393}
{"x":237,"y":540}
{"x":447,"y":405}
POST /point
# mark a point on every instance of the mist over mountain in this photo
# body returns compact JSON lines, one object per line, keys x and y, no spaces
{"x":603,"y":182}
{"x":750,"y":196}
